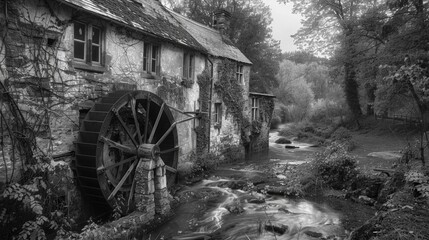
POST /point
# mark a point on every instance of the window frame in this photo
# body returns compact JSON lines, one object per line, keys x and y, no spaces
{"x":188,"y":71}
{"x":151,"y":58}
{"x":239,"y":73}
{"x":254,"y":108}
{"x":217,"y":115}
{"x":87,"y":62}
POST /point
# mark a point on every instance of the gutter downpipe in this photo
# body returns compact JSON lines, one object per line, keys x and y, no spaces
{"x":210,"y":102}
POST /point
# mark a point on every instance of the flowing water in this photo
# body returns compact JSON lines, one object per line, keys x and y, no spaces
{"x":218,"y":209}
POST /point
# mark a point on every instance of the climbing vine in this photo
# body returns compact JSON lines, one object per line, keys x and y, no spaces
{"x":230,"y":90}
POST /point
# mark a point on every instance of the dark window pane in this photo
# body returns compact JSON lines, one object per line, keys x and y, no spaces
{"x":154,"y":52}
{"x":191,"y":70}
{"x":79,"y":31}
{"x":146,"y":52}
{"x":153,"y":65}
{"x":144,"y":64}
{"x":185,"y":65}
{"x":95,"y":53}
{"x":79,"y":50}
{"x":154,"y":58}
{"x":96,"y":34}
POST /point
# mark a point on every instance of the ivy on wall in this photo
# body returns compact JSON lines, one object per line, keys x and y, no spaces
{"x":230,"y":90}
{"x":232,"y":94}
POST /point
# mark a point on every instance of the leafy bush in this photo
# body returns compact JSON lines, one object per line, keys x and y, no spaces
{"x":32,"y":209}
{"x":275,"y":122}
{"x":204,"y":162}
{"x":420,"y":182}
{"x":341,"y":133}
{"x":335,"y":166}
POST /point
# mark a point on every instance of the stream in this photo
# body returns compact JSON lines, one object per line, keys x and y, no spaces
{"x":225,"y":206}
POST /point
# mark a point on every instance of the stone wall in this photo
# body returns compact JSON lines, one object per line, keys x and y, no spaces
{"x":260,"y":128}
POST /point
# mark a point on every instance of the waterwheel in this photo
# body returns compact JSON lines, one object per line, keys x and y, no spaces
{"x":121,"y":129}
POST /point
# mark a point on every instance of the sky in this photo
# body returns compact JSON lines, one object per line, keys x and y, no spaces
{"x":284,"y":24}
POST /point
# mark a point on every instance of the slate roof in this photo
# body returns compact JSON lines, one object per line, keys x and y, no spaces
{"x":211,"y":40}
{"x":150,"y":17}
{"x":153,"y":18}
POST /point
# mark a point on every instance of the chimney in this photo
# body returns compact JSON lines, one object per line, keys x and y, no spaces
{"x":221,"y":19}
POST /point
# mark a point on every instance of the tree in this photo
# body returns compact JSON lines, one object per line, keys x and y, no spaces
{"x":294,"y":91}
{"x":333,"y":26}
{"x":413,"y":81}
{"x":249,"y":30}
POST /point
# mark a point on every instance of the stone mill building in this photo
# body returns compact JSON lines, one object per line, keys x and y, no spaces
{"x":141,"y":89}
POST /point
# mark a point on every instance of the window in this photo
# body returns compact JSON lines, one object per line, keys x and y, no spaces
{"x":188,"y":66}
{"x":88,"y":40}
{"x":255,"y":109}
{"x":151,"y":58}
{"x":218,"y":113}
{"x":239,"y":73}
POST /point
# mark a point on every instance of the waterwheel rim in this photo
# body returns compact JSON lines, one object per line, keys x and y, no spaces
{"x":128,"y":120}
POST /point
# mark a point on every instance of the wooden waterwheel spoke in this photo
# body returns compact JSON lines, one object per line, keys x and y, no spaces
{"x":124,"y":178}
{"x":104,"y":168}
{"x":171,"y":129}
{"x":136,"y":122}
{"x":146,"y":126}
{"x":169,"y":150}
{"x":171,"y":169}
{"x":125,"y":127}
{"x":155,"y":126}
{"x":123,"y":148}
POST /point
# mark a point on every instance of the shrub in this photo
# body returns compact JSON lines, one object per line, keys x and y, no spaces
{"x":335,"y":166}
{"x":341,"y":133}
{"x":420,"y":182}
{"x":275,"y":122}
{"x":32,"y":208}
{"x":204,"y":162}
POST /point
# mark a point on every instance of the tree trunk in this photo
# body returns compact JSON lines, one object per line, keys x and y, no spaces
{"x":370,"y":93}
{"x":350,"y":83}
{"x":351,"y":90}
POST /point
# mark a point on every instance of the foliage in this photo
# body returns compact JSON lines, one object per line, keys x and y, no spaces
{"x":204,"y":162}
{"x":249,"y":30}
{"x":335,"y":166}
{"x":420,"y":182}
{"x":230,"y":90}
{"x":204,"y":83}
{"x":411,"y":80}
{"x":294,"y":91}
{"x":275,"y":121}
{"x":33,"y":208}
{"x":326,"y":111}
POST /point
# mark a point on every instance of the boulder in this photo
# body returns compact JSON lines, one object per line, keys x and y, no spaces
{"x":366,"y":200}
{"x":256,"y":200}
{"x":313,"y":234}
{"x":283,"y":140}
{"x":276,"y":228}
{"x":291,"y":146}
{"x":234,"y":207}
